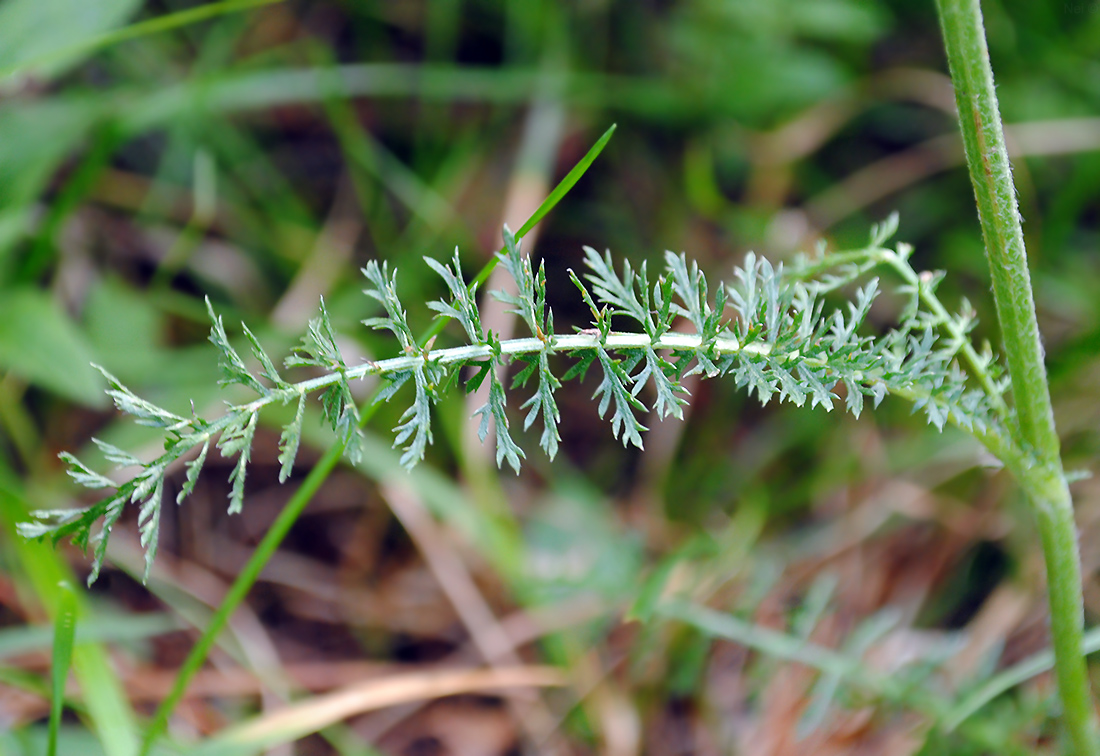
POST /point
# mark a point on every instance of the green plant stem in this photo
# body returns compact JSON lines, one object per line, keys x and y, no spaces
{"x":1050,"y":498}
{"x":991,"y":175}
{"x":317,"y":476}
{"x":1043,"y":481}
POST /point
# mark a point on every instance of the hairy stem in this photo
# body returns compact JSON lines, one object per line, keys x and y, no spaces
{"x":1043,"y":481}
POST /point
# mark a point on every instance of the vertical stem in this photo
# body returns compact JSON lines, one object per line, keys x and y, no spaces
{"x":991,"y":175}
{"x":1058,"y":532}
{"x":1044,"y":481}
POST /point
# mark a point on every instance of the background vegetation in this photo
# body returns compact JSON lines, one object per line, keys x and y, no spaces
{"x":262,"y":156}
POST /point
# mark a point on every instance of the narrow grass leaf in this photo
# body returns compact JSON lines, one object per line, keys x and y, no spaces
{"x":64,"y":631}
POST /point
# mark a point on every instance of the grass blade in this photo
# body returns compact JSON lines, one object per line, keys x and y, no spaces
{"x":64,"y":632}
{"x":140,"y":29}
{"x":1006,"y":680}
{"x":548,"y":204}
{"x":108,"y":709}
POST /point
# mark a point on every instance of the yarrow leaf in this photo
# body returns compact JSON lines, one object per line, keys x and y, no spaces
{"x":237,"y":440}
{"x":530,"y":300}
{"x":784,"y":340}
{"x":83,"y":474}
{"x":494,"y":407}
{"x":289,"y":440}
{"x":463,"y":306}
{"x":612,"y":391}
{"x":543,"y":402}
{"x":232,"y":366}
{"x":194,"y":467}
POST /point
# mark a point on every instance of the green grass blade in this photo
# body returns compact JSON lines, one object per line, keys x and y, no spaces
{"x":64,"y":633}
{"x":141,"y":29}
{"x":108,"y":709}
{"x":1004,"y":681}
{"x":548,"y":204}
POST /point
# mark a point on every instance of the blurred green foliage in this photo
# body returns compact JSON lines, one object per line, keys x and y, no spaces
{"x":263,"y":156}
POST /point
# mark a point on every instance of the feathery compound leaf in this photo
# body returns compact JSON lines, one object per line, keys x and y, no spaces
{"x":622,"y":294}
{"x":237,"y":439}
{"x":506,"y":447}
{"x":118,"y":456}
{"x":384,"y":289}
{"x":785,"y":342}
{"x":745,"y":295}
{"x":815,"y":379}
{"x":231,"y":364}
{"x":340,"y":410}
{"x":46,"y":522}
{"x":750,"y":372}
{"x":669,"y":400}
{"x":777,"y":298}
{"x":790,"y":388}
{"x":83,"y":474}
{"x":194,"y":467}
{"x":763,"y":299}
{"x":884,"y":231}
{"x":844,"y":332}
{"x":145,"y":412}
{"x":854,"y":396}
{"x":318,"y":347}
{"x":530,"y":300}
{"x":393,"y":384}
{"x":543,"y":402}
{"x":463,"y":306}
{"x":289,"y":440}
{"x":601,"y":315}
{"x":579,"y":369}
{"x":149,"y":526}
{"x":268,"y":370}
{"x":416,"y":424}
{"x":612,"y":390}
{"x":111,"y":514}
{"x":690,"y":286}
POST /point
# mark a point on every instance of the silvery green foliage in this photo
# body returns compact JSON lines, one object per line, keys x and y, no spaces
{"x":770,"y":329}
